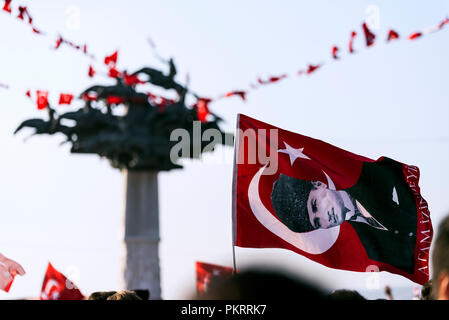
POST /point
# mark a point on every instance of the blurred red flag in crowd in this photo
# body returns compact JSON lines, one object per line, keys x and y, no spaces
{"x":41,"y":99}
{"x":65,"y":98}
{"x":6,"y":280}
{"x":207,"y":272}
{"x":57,"y":287}
{"x":332,"y":206}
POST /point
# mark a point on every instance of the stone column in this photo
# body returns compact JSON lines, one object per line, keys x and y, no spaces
{"x":141,"y":236}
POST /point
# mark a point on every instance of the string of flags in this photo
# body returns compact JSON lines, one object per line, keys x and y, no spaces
{"x":202,"y":104}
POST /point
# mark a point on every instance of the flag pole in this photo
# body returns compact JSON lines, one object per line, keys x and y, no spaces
{"x":234,"y":194}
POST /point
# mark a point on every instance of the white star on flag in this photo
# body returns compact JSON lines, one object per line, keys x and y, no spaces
{"x":293,"y":153}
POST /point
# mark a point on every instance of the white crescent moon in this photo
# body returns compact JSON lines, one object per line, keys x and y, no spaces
{"x":313,"y":242}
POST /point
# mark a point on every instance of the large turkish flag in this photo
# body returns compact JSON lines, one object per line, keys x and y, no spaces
{"x":332,"y":206}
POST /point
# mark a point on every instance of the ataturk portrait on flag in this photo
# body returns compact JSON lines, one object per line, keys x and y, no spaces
{"x":337,"y":208}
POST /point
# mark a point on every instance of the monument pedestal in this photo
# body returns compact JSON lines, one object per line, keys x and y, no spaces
{"x":141,"y":235}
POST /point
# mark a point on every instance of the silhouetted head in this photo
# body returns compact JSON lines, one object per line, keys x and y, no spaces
{"x":440,"y":262}
{"x":306,"y":205}
{"x":262,"y":284}
{"x":426,"y":291}
{"x":344,"y":294}
{"x":114,"y":295}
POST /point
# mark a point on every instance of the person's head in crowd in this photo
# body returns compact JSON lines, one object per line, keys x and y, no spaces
{"x":114,"y":295}
{"x":344,"y":294}
{"x":256,"y":283}
{"x":388,"y":292}
{"x":426,"y":291}
{"x":101,"y":295}
{"x":124,"y":295}
{"x":440,"y":262}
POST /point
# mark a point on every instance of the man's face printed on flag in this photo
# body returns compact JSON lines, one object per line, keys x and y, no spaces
{"x":325,"y":207}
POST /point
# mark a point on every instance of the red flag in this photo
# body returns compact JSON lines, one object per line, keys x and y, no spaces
{"x":131,"y":80}
{"x":112,"y":59}
{"x":337,"y":208}
{"x":351,"y":41}
{"x":22,"y":12}
{"x":115,"y":100}
{"x":89,"y":96}
{"x":443,"y":23}
{"x":202,"y":107}
{"x":312,"y":68}
{"x":415,"y":35}
{"x":160,"y":102}
{"x":28,"y":93}
{"x":207,"y":273}
{"x":369,"y":36}
{"x":41,"y":99}
{"x":59,"y":41}
{"x":272,"y":79}
{"x":91,"y":71}
{"x":35,"y":30}
{"x":7,"y":6}
{"x":57,"y":287}
{"x":392,"y":35}
{"x":241,"y":94}
{"x":334,"y":52}
{"x":65,"y":98}
{"x":8,"y":286}
{"x":114,"y":73}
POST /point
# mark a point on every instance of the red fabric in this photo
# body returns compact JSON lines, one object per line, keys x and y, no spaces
{"x":202,"y":107}
{"x":7,"y":6}
{"x":115,"y":100}
{"x":415,"y":35}
{"x":28,"y":93}
{"x":57,"y":287}
{"x":41,"y":99}
{"x":443,"y":23}
{"x":35,"y":30}
{"x":334,"y":52}
{"x":312,"y":68}
{"x":206,"y":272}
{"x":351,"y":41}
{"x":22,"y":12}
{"x":112,"y":59}
{"x":8,"y":286}
{"x":369,"y":36}
{"x":114,"y":73}
{"x":272,"y":79}
{"x":89,"y":96}
{"x":241,"y":94}
{"x":159,"y":101}
{"x":131,"y":80}
{"x":65,"y":98}
{"x":343,"y":167}
{"x":59,"y":41}
{"x":392,"y":35}
{"x":91,"y":72}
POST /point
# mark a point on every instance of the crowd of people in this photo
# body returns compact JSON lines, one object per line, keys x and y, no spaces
{"x":253,"y":284}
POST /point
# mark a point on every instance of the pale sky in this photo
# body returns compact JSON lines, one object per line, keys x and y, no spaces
{"x":388,"y":100}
